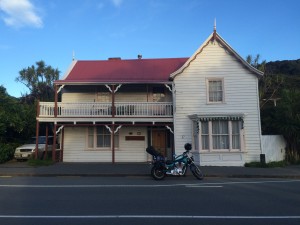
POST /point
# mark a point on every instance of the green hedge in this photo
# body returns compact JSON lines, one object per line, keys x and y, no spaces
{"x":7,"y":152}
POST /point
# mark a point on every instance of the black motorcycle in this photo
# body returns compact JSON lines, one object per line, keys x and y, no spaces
{"x":177,"y":167}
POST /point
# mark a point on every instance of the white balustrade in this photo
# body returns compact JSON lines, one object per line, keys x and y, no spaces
{"x":100,"y":109}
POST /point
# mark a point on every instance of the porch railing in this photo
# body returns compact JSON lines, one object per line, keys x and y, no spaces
{"x":98,"y":109}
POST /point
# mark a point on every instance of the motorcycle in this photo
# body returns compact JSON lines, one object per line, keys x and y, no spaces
{"x":177,"y":167}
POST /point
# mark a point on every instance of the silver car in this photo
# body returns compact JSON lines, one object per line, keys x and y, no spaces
{"x":27,"y":151}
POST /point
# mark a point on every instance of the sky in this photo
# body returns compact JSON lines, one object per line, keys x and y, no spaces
{"x":55,"y":31}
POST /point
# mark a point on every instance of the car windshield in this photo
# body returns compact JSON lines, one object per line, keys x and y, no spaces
{"x":42,"y":140}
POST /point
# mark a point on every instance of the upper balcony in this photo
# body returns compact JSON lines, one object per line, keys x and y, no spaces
{"x":101,"y":109}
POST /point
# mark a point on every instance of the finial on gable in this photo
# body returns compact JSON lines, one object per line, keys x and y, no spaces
{"x":215,"y":29}
{"x":73,"y":55}
{"x":215,"y":25}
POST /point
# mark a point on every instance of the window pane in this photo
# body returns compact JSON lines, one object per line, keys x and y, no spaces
{"x":106,"y":141}
{"x":220,"y":134}
{"x":215,"y":91}
{"x":236,"y":127}
{"x":103,"y":137}
{"x":117,"y":140}
{"x":90,"y":137}
{"x":196,"y":135}
{"x":204,"y":135}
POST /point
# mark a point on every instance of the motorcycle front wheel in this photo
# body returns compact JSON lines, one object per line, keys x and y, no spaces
{"x":196,"y":172}
{"x":158,"y":173}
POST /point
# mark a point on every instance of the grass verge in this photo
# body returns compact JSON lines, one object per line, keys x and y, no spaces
{"x":267,"y":165}
{"x":39,"y":162}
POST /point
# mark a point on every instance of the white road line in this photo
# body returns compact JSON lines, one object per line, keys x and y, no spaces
{"x":203,"y":186}
{"x":255,"y":182}
{"x":215,"y":184}
{"x":103,"y":186}
{"x":141,"y":217}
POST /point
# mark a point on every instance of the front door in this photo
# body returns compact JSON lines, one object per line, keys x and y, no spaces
{"x":159,"y":141}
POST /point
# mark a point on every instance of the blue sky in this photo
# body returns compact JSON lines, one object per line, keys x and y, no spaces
{"x":50,"y":30}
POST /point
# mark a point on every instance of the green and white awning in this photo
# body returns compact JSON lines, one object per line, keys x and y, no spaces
{"x":211,"y":117}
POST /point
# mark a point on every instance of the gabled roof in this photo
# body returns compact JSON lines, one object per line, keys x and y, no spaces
{"x":215,"y":36}
{"x":122,"y":71}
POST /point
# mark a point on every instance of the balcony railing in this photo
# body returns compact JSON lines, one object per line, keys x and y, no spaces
{"x":98,"y":109}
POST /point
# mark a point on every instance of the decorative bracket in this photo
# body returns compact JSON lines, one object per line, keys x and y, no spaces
{"x":117,"y":88}
{"x":108,"y":87}
{"x":59,"y":129}
{"x":170,"y":129}
{"x":118,"y":128}
{"x":108,"y":128}
{"x":61,"y":87}
{"x":167,"y":86}
{"x":110,"y":131}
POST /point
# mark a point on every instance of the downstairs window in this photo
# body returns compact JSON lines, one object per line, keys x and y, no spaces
{"x":218,"y":135}
{"x":100,"y":138}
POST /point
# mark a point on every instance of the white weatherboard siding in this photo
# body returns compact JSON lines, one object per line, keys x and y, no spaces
{"x":132,"y":151}
{"x":78,"y":97}
{"x":75,"y":147}
{"x":241,"y":97}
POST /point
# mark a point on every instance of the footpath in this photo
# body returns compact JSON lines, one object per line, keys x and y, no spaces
{"x":139,"y":169}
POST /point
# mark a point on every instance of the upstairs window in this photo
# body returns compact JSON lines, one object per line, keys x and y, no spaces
{"x":158,"y":94}
{"x":215,"y":91}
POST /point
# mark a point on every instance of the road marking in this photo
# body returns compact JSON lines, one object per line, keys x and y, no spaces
{"x":203,"y":186}
{"x":215,"y":184}
{"x":255,"y":182}
{"x":141,"y":217}
{"x":102,"y":186}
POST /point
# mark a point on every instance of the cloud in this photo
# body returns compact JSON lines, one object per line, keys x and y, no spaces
{"x":20,"y":13}
{"x":117,"y":3}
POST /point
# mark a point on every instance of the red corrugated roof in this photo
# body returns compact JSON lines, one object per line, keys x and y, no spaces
{"x":123,"y":71}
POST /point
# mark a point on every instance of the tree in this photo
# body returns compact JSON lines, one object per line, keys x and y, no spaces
{"x":17,"y":121}
{"x":280,"y":87}
{"x":39,"y":80}
{"x":287,"y":122}
{"x":269,"y":84}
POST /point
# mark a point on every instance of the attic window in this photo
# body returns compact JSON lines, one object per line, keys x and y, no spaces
{"x":215,"y":90}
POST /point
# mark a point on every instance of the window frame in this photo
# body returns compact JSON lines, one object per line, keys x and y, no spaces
{"x":210,"y":148}
{"x":95,"y":136}
{"x":208,"y":80}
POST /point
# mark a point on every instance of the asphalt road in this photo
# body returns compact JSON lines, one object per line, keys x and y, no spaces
{"x":141,"y":200}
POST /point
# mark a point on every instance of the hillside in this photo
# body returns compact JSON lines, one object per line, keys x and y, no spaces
{"x":286,"y":67}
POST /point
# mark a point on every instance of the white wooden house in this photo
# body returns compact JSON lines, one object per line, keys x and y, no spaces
{"x":111,"y":110}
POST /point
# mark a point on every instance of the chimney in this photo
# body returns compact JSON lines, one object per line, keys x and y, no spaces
{"x":114,"y":58}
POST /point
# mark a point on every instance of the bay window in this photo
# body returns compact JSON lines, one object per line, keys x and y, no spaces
{"x":218,"y":134}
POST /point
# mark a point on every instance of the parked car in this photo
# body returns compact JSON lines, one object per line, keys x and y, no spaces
{"x":27,"y":151}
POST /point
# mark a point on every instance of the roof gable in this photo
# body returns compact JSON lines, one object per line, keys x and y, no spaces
{"x":122,"y":71}
{"x":216,"y":37}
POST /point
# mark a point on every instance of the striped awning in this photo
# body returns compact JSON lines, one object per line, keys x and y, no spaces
{"x":211,"y":117}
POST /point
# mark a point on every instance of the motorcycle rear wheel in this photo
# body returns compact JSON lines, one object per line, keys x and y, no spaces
{"x":196,"y":172}
{"x":158,"y":173}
